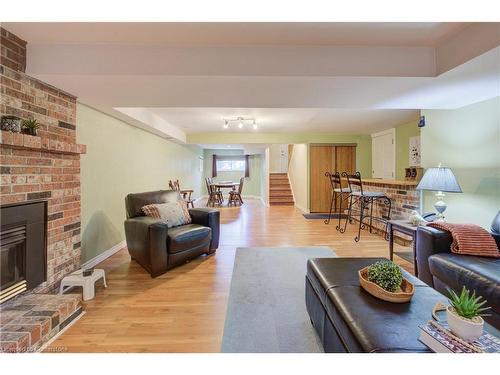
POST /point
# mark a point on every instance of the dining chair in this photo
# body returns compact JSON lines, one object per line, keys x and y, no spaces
{"x":214,"y":196}
{"x":186,"y":194}
{"x":235,"y":195}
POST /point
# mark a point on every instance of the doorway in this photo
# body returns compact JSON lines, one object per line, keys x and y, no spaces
{"x":384,"y":154}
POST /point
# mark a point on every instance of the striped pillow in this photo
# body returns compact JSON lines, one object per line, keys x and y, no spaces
{"x":171,"y":213}
{"x":469,"y":239}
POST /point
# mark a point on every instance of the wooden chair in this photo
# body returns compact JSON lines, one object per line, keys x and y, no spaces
{"x":235,"y":195}
{"x":213,"y":195}
{"x":186,"y":194}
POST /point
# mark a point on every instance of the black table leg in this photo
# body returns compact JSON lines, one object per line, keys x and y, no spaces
{"x":391,"y":242}
{"x":415,"y":267}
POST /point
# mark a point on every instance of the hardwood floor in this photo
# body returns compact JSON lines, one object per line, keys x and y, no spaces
{"x":184,"y":309}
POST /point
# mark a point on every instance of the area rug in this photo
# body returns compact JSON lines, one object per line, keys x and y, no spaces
{"x":266,"y":310}
{"x":406,"y":255}
{"x":321,"y":216}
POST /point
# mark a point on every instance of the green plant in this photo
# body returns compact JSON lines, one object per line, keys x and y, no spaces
{"x":385,"y":274}
{"x":31,"y":124}
{"x":466,"y":304}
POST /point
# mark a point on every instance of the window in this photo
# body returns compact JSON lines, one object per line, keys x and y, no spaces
{"x":227,"y":165}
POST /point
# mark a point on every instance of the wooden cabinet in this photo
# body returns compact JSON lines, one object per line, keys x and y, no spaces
{"x":327,"y":158}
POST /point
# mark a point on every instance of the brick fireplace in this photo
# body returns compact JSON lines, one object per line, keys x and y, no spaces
{"x":34,"y":170}
{"x":44,"y":167}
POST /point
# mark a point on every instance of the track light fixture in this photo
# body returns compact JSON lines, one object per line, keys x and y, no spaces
{"x":241,"y":122}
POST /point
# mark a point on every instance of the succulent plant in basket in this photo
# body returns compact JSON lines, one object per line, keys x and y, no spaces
{"x":31,"y":125}
{"x":386,"y":274}
{"x":465,"y":313}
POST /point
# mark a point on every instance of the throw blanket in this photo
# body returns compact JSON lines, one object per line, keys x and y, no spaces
{"x":469,"y":239}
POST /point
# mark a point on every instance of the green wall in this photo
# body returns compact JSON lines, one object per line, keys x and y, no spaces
{"x":363,"y":151}
{"x":252,"y":185}
{"x":123,"y":159}
{"x":467,"y":140}
{"x":403,"y":134}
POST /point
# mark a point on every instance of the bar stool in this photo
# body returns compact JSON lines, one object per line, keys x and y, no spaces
{"x":337,"y":189}
{"x":365,"y":199}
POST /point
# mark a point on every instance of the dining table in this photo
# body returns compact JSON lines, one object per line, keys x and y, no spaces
{"x":225,"y":185}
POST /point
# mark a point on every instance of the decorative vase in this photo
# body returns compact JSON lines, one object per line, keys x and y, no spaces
{"x":415,"y":218}
{"x":11,"y":123}
{"x":467,"y":329}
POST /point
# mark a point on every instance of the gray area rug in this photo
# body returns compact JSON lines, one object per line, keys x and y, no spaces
{"x":321,"y":216}
{"x":406,"y":255}
{"x":266,"y":310}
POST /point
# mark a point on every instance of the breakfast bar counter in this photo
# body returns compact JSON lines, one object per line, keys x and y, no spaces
{"x":403,"y":195}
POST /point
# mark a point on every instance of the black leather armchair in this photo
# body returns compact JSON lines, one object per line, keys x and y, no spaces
{"x":158,"y":248}
{"x":442,"y":269}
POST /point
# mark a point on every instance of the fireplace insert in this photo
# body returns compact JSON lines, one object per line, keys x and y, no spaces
{"x":23,"y":248}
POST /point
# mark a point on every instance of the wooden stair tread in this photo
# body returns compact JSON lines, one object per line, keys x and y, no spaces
{"x":280,"y":192}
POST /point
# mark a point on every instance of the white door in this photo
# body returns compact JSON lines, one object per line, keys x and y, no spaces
{"x":284,"y":158}
{"x":279,"y":158}
{"x":384,"y":154}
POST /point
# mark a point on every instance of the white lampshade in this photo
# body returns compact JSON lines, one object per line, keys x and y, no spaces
{"x":439,"y":179}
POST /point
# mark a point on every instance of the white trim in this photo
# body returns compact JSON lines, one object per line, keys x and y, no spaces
{"x":264,"y":203}
{"x":104,"y":255}
{"x":384,"y":132}
{"x":392,"y":132}
{"x":53,"y":338}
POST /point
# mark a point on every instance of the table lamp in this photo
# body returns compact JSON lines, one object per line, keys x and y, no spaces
{"x":439,"y":179}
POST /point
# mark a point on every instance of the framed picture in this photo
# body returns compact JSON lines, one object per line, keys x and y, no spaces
{"x":415,"y":151}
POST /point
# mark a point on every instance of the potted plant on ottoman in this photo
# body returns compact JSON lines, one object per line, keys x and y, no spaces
{"x":31,"y":126}
{"x":384,"y":280}
{"x":464,"y":316}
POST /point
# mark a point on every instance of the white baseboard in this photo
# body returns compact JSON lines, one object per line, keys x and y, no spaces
{"x":303,"y":209}
{"x":264,"y":203}
{"x":104,"y":255}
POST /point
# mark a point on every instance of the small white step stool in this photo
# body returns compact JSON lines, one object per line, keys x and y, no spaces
{"x":86,"y":282}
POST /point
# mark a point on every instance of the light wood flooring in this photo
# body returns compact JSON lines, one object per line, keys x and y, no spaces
{"x":184,"y":309}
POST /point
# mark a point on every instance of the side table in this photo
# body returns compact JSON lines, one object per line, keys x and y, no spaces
{"x":407,"y":228}
{"x":86,"y":282}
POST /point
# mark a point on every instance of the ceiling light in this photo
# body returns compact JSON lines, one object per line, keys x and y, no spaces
{"x":241,"y":122}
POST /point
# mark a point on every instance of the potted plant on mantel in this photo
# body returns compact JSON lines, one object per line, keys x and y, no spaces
{"x":464,"y":315}
{"x":31,"y":125}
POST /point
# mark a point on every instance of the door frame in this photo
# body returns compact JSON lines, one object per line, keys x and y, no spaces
{"x":392,"y":132}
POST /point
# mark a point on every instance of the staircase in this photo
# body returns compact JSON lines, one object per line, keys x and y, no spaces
{"x":280,"y":192}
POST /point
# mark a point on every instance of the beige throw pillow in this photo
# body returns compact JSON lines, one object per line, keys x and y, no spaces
{"x":172,"y":213}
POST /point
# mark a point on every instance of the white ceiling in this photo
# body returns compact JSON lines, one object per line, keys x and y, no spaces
{"x":173,"y":79}
{"x":297,"y":120}
{"x":412,"y":34}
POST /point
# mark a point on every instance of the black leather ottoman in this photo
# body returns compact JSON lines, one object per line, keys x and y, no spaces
{"x":348,"y":319}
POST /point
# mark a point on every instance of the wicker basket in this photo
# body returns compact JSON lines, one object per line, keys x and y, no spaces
{"x":402,"y":296}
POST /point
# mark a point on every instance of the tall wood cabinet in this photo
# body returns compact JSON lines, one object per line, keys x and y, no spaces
{"x":327,"y":158}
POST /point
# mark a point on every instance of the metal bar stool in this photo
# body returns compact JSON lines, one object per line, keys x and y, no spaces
{"x":336,"y":182}
{"x":366,"y":199}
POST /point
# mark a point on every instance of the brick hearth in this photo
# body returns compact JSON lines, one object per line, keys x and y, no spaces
{"x":29,"y":321}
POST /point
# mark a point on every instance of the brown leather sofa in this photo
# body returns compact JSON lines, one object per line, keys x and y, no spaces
{"x":442,"y":269}
{"x":158,"y":248}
